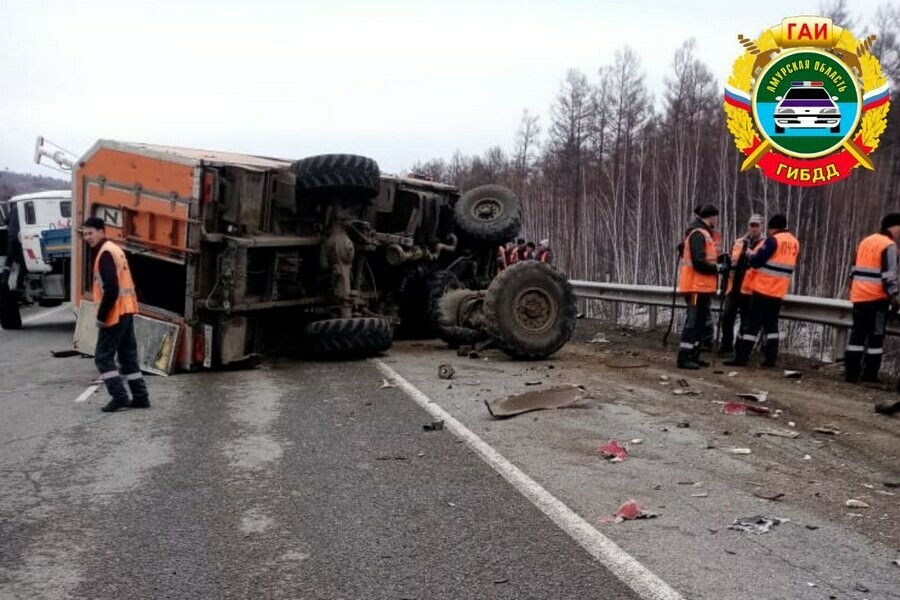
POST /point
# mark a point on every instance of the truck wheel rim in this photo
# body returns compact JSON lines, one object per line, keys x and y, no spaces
{"x":535,"y":310}
{"x":487,"y":209}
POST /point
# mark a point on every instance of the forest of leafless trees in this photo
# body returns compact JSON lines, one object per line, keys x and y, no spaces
{"x":612,"y":173}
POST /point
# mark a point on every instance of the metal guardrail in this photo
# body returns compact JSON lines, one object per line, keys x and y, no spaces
{"x":810,"y":309}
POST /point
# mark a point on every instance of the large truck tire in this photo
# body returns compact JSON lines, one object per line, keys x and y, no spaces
{"x":420,"y":304}
{"x":439,"y":285}
{"x":10,"y":316}
{"x":359,"y":337}
{"x":347,"y":175}
{"x":488,"y":213}
{"x":530,"y":309}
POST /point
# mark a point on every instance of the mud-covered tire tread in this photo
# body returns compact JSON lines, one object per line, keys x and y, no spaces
{"x":358,"y":337}
{"x":357,"y":177}
{"x":502,"y":229}
{"x":438,"y":285}
{"x":501,"y":321}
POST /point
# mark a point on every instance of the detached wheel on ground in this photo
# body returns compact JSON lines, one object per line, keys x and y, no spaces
{"x":530,"y":310}
{"x":489,"y":213}
{"x":360,"y":337}
{"x":460,"y":318}
{"x":351,"y":177}
{"x":10,"y":316}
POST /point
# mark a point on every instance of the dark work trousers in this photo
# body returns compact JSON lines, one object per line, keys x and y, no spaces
{"x":736,"y":304}
{"x":694,"y":324}
{"x":865,"y":347}
{"x":119,"y":340}
{"x":764,"y":312}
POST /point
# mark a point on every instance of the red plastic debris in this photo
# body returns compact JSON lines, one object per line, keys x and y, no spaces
{"x":741,"y":408}
{"x":628,"y":512}
{"x":614,"y":451}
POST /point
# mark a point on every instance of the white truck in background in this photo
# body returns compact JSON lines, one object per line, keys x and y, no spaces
{"x":35,"y":252}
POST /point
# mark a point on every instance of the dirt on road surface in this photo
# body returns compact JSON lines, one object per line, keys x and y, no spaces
{"x":843,"y":450}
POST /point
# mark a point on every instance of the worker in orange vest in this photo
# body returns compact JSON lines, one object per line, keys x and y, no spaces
{"x":772,"y":270}
{"x":873,"y":290}
{"x":697,"y":281}
{"x":737,"y":292}
{"x":114,"y":290}
{"x":543,"y":252}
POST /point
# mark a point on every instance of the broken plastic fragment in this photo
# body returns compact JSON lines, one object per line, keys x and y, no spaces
{"x":742,"y":408}
{"x":632,"y":510}
{"x":386,"y":384}
{"x":614,"y":451}
{"x":853,"y":503}
{"x":739,"y":451}
{"x":758,"y":524}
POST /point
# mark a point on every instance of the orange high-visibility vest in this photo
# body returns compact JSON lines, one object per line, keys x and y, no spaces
{"x":774,"y":278}
{"x":749,"y":274}
{"x":867,"y":284}
{"x":691,"y":281}
{"x":737,"y":250}
{"x":126,"y":303}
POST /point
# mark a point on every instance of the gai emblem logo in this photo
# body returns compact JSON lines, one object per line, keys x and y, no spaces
{"x":807,"y":102}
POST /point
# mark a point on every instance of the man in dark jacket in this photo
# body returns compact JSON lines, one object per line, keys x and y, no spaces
{"x":737,"y":298}
{"x":698,"y":281}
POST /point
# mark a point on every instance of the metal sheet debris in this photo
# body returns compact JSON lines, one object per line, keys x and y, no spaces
{"x":758,"y":396}
{"x":563,"y":396}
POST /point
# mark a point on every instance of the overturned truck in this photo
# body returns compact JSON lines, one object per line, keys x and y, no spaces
{"x":247,"y":255}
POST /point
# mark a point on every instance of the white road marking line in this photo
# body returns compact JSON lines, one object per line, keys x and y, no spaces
{"x":87,"y":393}
{"x":45,"y":314}
{"x":624,"y":566}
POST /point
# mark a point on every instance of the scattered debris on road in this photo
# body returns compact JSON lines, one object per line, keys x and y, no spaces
{"x":758,"y":396}
{"x":758,"y":524}
{"x":627,"y":364}
{"x":613,"y":451}
{"x":888,"y":408}
{"x":64,"y":353}
{"x":683,"y":425}
{"x":768,"y":494}
{"x":733,"y":373}
{"x":792,"y":374}
{"x":563,"y":396}
{"x":434,"y":426}
{"x":830,"y":430}
{"x":853,"y":503}
{"x":386,"y":384}
{"x":686,"y":392}
{"x":636,"y":441}
{"x":629,"y":511}
{"x":742,"y":408}
{"x":599,"y":338}
{"x":892,"y":483}
{"x":683,"y":383}
{"x":740,"y":451}
{"x":784,"y":433}
{"x":531,"y":383}
{"x":446,"y":371}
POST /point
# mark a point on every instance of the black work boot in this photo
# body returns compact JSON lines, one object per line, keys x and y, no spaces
{"x":115,"y":404}
{"x":140,"y":395}
{"x":852,"y":366}
{"x":696,"y":358}
{"x":686,"y":361}
{"x":770,"y":353}
{"x":871,"y":366}
{"x":742,"y":351}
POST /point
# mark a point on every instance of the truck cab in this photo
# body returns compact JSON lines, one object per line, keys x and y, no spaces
{"x":35,"y":251}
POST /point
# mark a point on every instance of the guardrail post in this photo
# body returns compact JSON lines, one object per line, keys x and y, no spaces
{"x":651,"y":317}
{"x":839,"y":343}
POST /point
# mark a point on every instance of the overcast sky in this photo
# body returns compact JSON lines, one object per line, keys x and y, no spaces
{"x":396,"y":80}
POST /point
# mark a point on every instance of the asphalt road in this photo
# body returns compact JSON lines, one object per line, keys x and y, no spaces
{"x":298,"y":480}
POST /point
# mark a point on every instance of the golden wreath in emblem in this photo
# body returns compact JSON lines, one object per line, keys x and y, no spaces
{"x":854,"y":54}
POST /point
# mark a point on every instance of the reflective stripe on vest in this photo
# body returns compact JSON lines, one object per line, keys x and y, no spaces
{"x":867,"y":284}
{"x":774,"y":278}
{"x":126,"y":302}
{"x":750,"y":274}
{"x":689,"y":279}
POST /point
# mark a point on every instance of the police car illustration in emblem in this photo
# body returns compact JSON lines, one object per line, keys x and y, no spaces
{"x":807,"y":105}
